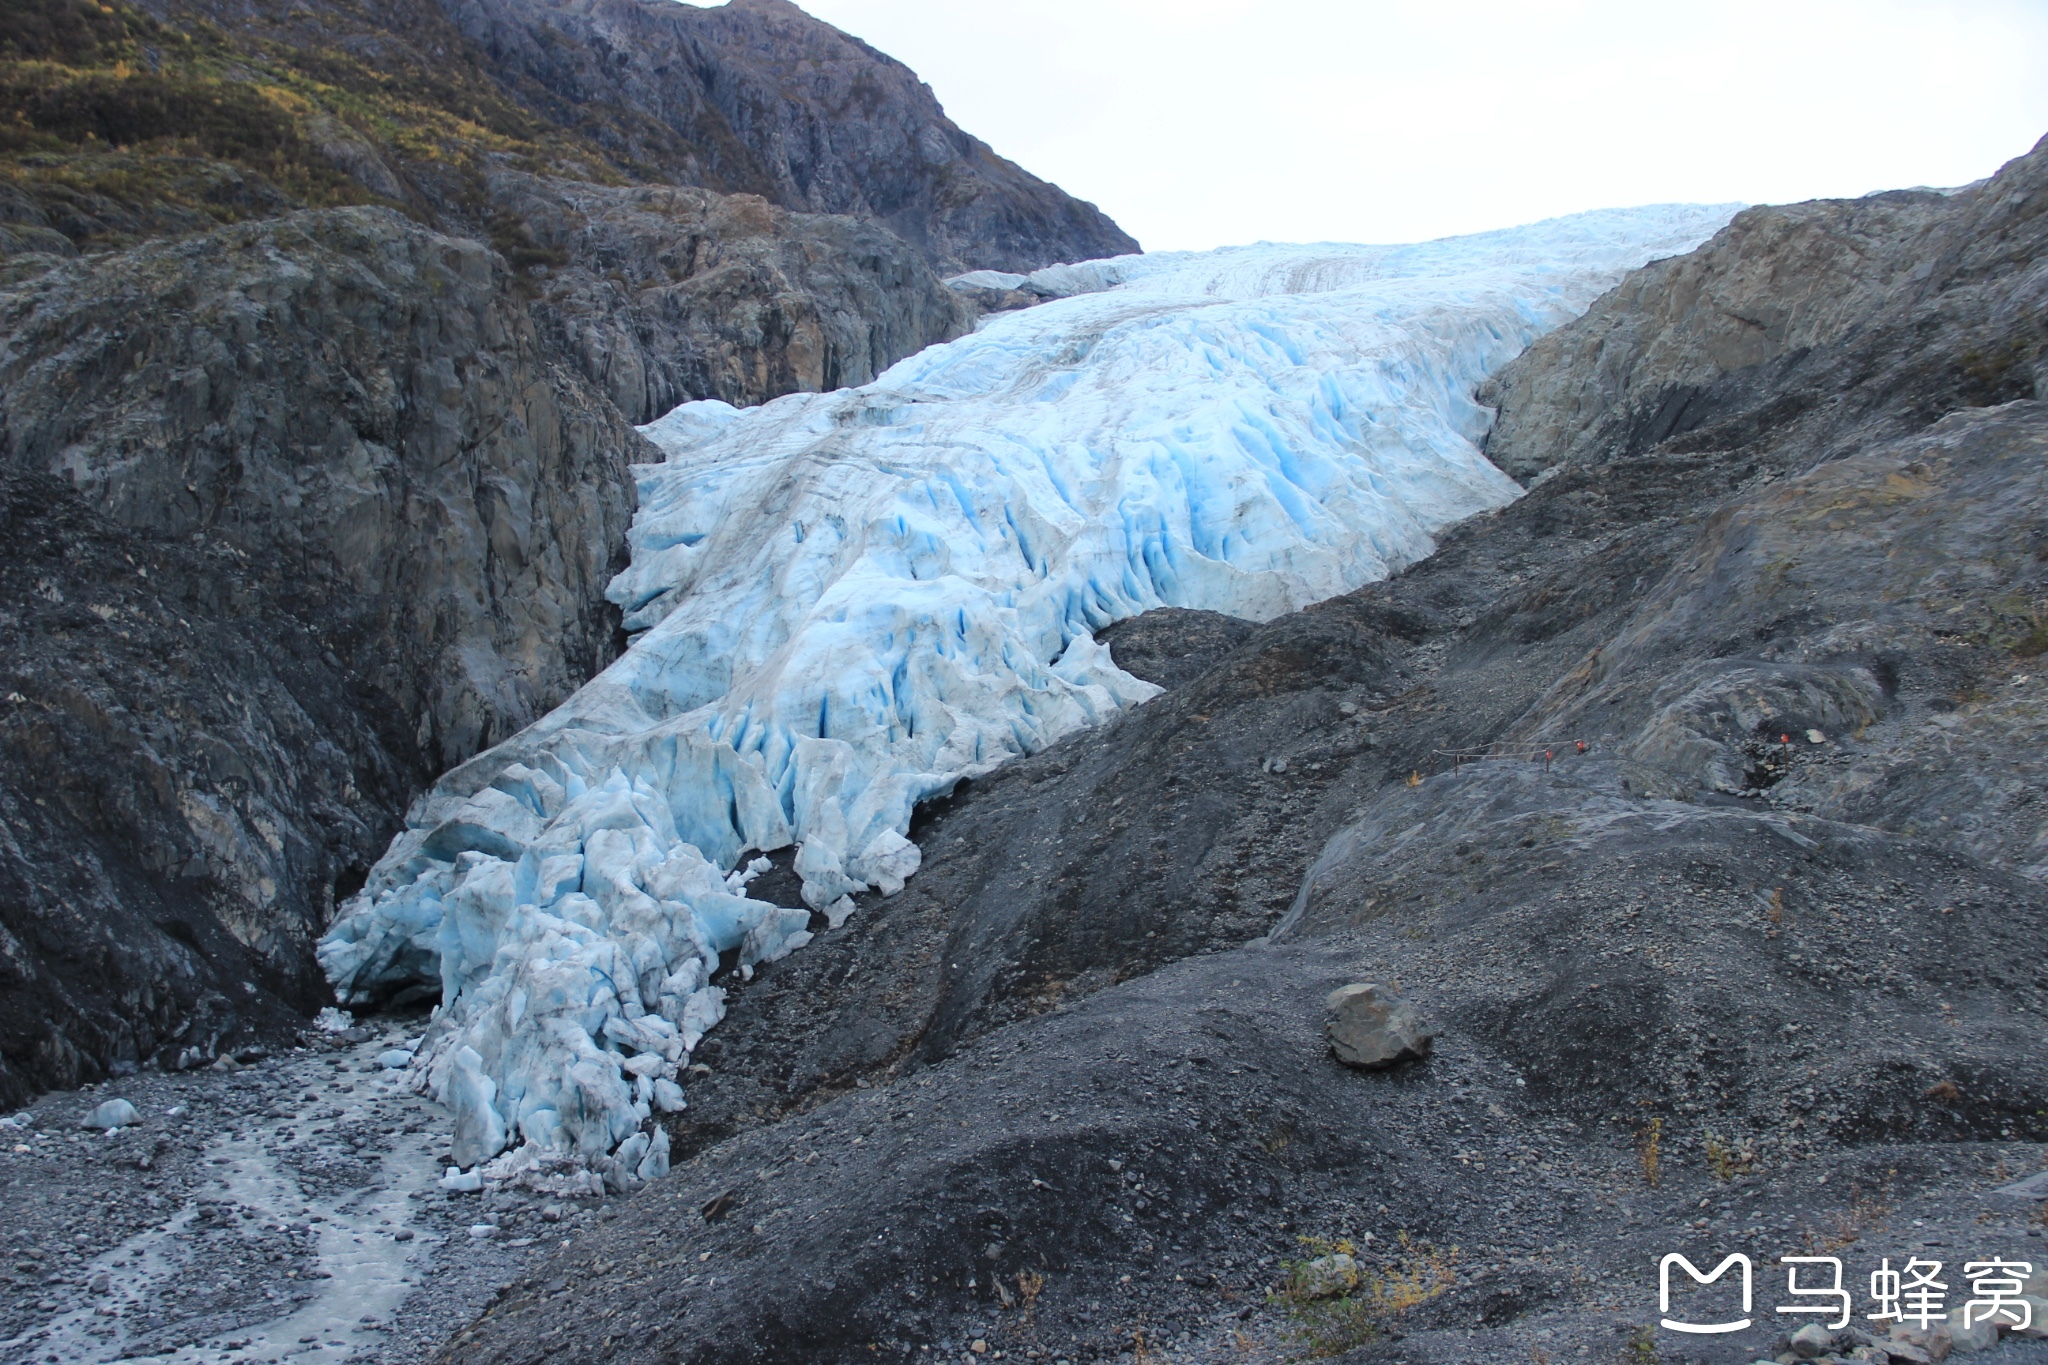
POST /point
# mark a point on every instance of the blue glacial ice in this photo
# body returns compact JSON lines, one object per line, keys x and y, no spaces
{"x":846,"y":603}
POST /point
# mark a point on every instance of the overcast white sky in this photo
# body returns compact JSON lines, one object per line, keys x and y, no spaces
{"x":1196,"y":123}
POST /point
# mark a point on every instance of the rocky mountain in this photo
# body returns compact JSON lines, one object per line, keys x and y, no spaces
{"x":416,"y":104}
{"x":616,"y":155}
{"x":351,"y":307}
{"x":1756,"y":968}
{"x":757,"y":97}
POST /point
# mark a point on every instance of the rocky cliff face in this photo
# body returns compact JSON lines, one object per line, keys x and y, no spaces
{"x":415,"y":509}
{"x":665,"y":295}
{"x":1783,"y":575}
{"x":187,"y":770}
{"x":346,"y":101}
{"x":1811,"y":326}
{"x":757,"y":97}
{"x":357,"y":405}
{"x":594,"y":147}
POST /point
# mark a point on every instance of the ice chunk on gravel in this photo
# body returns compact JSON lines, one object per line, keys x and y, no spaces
{"x":111,"y":1114}
{"x":849,"y":602}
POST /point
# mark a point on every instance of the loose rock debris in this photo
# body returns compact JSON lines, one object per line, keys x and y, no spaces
{"x":288,"y":1209}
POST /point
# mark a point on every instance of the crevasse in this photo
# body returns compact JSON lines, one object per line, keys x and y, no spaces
{"x":848,"y":602}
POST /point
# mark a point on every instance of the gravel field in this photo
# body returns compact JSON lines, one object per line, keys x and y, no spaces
{"x":287,"y":1207}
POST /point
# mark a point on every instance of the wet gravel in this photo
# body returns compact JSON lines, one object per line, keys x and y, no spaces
{"x":283,"y":1208}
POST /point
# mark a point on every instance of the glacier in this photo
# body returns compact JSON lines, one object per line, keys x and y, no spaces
{"x":843,"y":604}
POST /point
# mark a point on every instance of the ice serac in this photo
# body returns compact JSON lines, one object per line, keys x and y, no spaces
{"x":849,"y":602}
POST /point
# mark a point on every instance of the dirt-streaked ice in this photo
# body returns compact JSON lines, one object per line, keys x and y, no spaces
{"x":848,"y":602}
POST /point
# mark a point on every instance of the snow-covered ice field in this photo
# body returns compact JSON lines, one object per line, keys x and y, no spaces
{"x":848,"y":602}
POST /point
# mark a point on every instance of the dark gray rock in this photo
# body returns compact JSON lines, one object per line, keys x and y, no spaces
{"x":330,"y":518}
{"x":757,"y":97}
{"x":1371,"y":1028}
{"x":1812,"y":1341}
{"x":1173,"y":646}
{"x":156,"y":702}
{"x":358,"y":406}
{"x":665,"y":295}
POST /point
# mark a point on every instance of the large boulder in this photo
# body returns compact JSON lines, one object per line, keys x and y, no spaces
{"x":1369,"y":1027}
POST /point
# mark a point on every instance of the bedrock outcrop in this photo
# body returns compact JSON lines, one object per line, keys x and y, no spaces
{"x":1809,"y":328}
{"x":414,"y":508}
{"x":662,"y":295}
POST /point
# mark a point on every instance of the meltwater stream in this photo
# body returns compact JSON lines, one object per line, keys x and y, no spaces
{"x":849,"y":602}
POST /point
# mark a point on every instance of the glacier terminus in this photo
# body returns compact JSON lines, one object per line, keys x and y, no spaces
{"x":846,"y":603}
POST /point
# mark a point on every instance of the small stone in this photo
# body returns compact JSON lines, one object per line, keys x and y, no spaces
{"x":1327,"y":1276}
{"x":481,"y":1231}
{"x":1815,"y":737}
{"x":402,"y":1235}
{"x":110,"y":1114}
{"x":1368,"y":1026}
{"x":1812,"y":1342}
{"x":1973,"y":1337}
{"x":2037,"y":1323}
{"x":1935,"y":1340}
